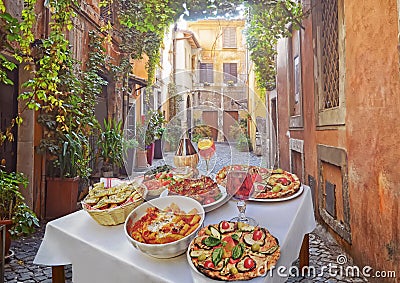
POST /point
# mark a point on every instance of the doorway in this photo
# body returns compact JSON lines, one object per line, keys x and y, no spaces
{"x":8,"y":111}
{"x":210,"y":118}
{"x":230,"y":119}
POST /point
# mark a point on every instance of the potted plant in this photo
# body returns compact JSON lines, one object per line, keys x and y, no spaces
{"x":153,"y":130}
{"x":173,"y":134}
{"x":67,"y":163}
{"x":110,"y":146}
{"x":157,"y":122}
{"x":141,"y":152}
{"x":14,"y":213}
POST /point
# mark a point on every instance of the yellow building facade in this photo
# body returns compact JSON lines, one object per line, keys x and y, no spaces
{"x":226,"y":78}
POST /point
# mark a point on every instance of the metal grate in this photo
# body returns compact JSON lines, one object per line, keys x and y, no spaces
{"x":330,"y":53}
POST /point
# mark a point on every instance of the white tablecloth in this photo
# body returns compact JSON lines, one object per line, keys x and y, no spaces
{"x":103,"y":254}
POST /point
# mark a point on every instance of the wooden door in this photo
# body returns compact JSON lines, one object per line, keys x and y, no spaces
{"x":210,"y":118}
{"x":230,"y":119}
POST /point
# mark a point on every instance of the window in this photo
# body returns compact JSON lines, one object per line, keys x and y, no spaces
{"x":230,"y":72}
{"x":330,"y":54}
{"x":206,"y":73}
{"x":295,"y":94}
{"x":229,"y":37}
{"x":159,"y":98}
{"x":329,"y":50}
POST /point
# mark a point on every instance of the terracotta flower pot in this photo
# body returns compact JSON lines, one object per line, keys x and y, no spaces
{"x":61,"y":196}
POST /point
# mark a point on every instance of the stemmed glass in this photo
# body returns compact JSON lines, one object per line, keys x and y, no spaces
{"x":206,"y":147}
{"x":240,"y":186}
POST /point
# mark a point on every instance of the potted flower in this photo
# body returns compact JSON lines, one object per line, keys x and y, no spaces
{"x":14,"y":213}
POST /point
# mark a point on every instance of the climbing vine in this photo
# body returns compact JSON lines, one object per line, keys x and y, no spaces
{"x":266,"y":24}
{"x":15,"y":39}
{"x":43,"y":89}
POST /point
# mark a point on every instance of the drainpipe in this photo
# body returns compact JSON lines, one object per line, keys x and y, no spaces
{"x":42,"y":193}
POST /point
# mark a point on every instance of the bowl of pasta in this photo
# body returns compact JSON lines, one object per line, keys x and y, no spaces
{"x":164,"y":227}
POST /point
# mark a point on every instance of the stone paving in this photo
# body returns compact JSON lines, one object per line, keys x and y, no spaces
{"x":324,"y":252}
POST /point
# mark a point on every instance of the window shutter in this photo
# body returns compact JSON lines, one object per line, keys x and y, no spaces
{"x":229,"y":37}
{"x":230,"y":72}
{"x":206,"y":73}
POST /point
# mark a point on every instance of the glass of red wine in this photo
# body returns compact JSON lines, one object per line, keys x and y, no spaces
{"x":240,"y":186}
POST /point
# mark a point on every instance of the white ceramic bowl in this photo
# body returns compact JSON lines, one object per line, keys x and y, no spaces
{"x":170,"y":249}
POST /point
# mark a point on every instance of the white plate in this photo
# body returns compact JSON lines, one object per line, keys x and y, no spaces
{"x":210,"y":206}
{"x":295,"y":195}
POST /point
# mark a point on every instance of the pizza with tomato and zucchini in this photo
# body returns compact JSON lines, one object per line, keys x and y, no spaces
{"x":268,"y":184}
{"x":231,"y":251}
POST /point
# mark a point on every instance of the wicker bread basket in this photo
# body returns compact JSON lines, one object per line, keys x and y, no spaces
{"x":116,"y":215}
{"x":112,"y":216}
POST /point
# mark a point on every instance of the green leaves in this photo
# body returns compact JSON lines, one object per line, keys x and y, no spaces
{"x":211,"y":241}
{"x":12,"y":205}
{"x":237,"y":251}
{"x":268,"y":21}
{"x":2,"y":7}
{"x":216,"y":255}
{"x":110,"y":142}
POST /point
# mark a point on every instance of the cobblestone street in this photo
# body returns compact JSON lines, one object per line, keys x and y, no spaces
{"x":323,"y":249}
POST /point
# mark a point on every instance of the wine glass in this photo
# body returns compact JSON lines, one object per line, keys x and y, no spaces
{"x":206,"y":147}
{"x":240,"y":186}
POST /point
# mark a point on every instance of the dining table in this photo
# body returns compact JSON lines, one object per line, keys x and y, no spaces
{"x":103,"y":253}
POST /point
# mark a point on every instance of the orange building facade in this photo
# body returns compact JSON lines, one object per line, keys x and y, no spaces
{"x":337,"y":103}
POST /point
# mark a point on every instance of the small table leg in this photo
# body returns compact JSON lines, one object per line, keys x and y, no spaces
{"x":304,"y":256}
{"x":58,"y":274}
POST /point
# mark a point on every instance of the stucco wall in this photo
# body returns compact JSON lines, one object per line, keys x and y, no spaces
{"x":371,"y":131}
